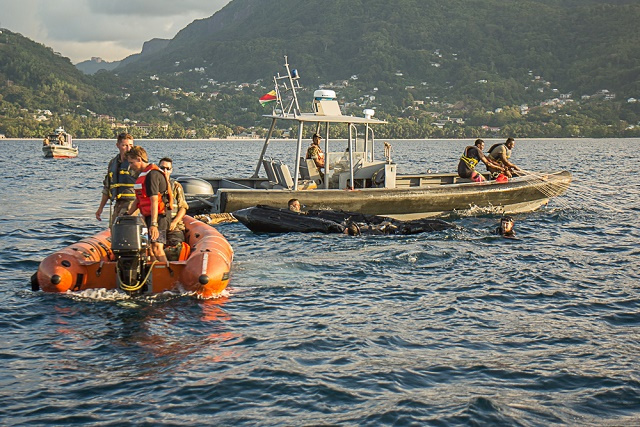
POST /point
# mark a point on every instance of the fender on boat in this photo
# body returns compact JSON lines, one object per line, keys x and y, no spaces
{"x":90,"y":263}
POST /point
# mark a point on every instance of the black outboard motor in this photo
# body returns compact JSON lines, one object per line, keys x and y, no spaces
{"x":129,"y":242}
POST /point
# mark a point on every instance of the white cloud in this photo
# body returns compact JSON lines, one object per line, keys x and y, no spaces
{"x":145,"y":8}
{"x":114,"y":29}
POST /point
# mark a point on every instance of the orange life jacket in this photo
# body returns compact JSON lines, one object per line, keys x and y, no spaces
{"x":144,"y":200}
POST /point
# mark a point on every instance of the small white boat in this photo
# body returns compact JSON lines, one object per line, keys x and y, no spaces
{"x":59,"y":145}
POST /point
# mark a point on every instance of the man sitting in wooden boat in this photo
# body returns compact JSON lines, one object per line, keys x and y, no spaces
{"x":500,"y":154}
{"x":472,"y":156}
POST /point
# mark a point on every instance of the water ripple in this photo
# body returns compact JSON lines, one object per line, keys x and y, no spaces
{"x":459,"y":327}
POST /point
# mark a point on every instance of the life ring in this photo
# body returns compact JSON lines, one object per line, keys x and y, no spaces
{"x":378,"y":178}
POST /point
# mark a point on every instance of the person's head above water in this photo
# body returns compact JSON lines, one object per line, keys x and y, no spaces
{"x":352,"y":229}
{"x":506,"y":225}
{"x":294,"y":205}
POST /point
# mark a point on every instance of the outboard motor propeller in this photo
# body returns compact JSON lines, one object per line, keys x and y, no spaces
{"x":129,"y":244}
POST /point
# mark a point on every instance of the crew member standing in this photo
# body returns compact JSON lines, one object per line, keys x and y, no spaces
{"x":153,"y":198}
{"x":118,"y":182}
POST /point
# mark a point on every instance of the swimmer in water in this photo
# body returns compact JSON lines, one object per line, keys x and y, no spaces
{"x":506,"y":227}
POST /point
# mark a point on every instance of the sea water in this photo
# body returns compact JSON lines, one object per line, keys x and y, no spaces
{"x":450,"y":328}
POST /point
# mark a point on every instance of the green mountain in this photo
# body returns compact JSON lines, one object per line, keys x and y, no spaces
{"x":433,"y":68}
{"x":96,"y":64}
{"x":579,"y":46}
{"x":33,"y":76}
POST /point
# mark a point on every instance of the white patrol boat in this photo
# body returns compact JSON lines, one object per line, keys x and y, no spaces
{"x":59,"y":144}
{"x":356,"y":179}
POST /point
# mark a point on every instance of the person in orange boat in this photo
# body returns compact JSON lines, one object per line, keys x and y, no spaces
{"x":117,"y":185}
{"x":175,"y":233}
{"x":153,"y":198}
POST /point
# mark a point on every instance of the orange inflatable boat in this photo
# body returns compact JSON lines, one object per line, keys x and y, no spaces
{"x":121,"y":261}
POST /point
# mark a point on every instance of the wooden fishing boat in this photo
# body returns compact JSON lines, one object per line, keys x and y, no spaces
{"x":59,"y":144}
{"x":203,"y":266}
{"x":355,"y":179}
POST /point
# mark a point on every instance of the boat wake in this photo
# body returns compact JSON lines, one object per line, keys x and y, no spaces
{"x":101,"y":294}
{"x":479,"y":211}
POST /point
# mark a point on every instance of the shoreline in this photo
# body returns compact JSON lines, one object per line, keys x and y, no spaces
{"x":334,"y":139}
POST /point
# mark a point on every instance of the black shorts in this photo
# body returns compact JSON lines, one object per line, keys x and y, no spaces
{"x":175,"y":237}
{"x":163,"y":226}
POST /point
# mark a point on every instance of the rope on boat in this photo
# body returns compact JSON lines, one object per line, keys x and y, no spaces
{"x":216,"y":218}
{"x":542,"y":184}
{"x":138,"y":285}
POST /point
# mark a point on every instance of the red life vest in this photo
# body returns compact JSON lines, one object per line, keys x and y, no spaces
{"x":144,"y":200}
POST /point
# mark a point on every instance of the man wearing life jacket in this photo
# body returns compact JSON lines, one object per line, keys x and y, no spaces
{"x":470,"y":158}
{"x":153,"y":198}
{"x":117,"y":185}
{"x":175,"y":234}
{"x":500,"y":154}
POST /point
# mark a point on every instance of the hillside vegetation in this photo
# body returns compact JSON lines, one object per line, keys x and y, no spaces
{"x":434,"y":68}
{"x":34,"y":76}
{"x":579,"y":46}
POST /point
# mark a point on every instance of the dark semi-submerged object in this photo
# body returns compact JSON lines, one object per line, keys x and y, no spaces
{"x":266,"y":219}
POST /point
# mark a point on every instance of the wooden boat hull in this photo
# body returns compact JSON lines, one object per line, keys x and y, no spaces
{"x":59,"y":151}
{"x":408,"y":202}
{"x":90,"y":264}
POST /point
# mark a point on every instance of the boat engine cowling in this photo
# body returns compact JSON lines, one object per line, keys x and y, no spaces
{"x":192,"y":185}
{"x":129,"y":242}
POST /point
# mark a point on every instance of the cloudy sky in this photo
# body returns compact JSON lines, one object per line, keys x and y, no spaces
{"x":110,"y":29}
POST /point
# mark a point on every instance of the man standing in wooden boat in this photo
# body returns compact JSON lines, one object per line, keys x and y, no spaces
{"x":153,"y":198}
{"x":118,"y":182}
{"x":472,"y":156}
